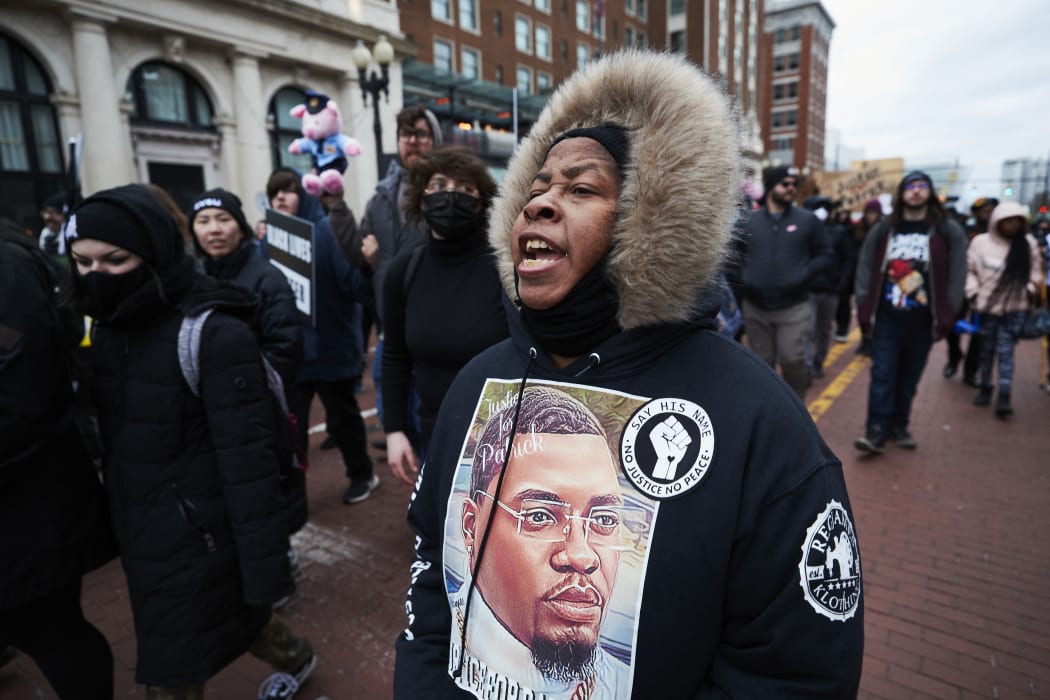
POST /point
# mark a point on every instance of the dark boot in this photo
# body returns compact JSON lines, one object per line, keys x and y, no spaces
{"x":984,"y":398}
{"x":1002,"y":405}
{"x":873,"y":442}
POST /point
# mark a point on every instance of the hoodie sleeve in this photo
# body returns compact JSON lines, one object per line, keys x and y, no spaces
{"x":774,"y":642}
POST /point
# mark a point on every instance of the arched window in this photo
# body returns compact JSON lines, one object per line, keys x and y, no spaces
{"x":165,"y":95}
{"x":31,"y":167}
{"x":284,"y":128}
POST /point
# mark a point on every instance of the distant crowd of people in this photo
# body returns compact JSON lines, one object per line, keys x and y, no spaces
{"x":557,"y":373}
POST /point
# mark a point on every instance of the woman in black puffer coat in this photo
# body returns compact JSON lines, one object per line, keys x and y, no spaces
{"x":192,"y":482}
{"x":224,"y":243}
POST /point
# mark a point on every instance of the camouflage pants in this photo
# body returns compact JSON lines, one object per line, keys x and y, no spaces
{"x":276,"y":645}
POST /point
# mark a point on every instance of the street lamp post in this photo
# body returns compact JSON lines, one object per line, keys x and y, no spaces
{"x":372,"y":84}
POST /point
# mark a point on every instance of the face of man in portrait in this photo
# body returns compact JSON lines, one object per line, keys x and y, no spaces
{"x":554,"y":547}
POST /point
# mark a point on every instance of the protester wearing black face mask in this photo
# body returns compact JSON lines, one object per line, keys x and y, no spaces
{"x":191,"y":471}
{"x":443,"y":302}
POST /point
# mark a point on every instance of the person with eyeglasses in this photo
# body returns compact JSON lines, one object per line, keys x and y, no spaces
{"x":910,"y":281}
{"x":788,"y":249}
{"x":618,"y":500}
{"x":385,"y":229}
{"x":443,"y":299}
{"x":555,"y":539}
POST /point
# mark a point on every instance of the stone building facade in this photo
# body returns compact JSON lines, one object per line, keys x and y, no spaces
{"x":188,"y":95}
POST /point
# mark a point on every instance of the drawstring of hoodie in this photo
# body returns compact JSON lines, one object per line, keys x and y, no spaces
{"x":488,"y":522}
{"x":593,"y":360}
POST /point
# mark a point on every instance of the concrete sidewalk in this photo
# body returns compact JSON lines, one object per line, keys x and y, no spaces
{"x":953,"y":542}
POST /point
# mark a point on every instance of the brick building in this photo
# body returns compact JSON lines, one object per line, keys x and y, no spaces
{"x":471,"y":54}
{"x":794,"y":77}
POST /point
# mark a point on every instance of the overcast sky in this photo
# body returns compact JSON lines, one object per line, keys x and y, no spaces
{"x":933,"y":81}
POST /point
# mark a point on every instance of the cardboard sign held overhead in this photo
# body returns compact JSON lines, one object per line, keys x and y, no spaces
{"x":865,"y":180}
{"x":290,"y":247}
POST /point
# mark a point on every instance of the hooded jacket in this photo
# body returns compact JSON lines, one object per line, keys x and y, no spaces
{"x":193,"y":483}
{"x":709,"y":570}
{"x":986,"y":259}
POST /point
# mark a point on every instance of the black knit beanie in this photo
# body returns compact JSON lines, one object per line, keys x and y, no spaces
{"x":106,"y":220}
{"x":225,"y":200}
{"x":612,"y":137}
{"x":772,"y":176}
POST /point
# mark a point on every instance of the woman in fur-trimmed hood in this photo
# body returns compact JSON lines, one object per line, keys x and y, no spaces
{"x":619,"y":501}
{"x":680,"y":179}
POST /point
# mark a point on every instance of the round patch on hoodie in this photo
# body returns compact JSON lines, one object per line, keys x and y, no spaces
{"x":667,"y":447}
{"x":829,"y":571}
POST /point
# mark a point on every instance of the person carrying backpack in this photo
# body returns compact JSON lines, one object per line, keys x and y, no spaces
{"x":193,"y":482}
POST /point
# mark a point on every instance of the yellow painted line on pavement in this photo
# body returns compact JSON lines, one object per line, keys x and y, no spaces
{"x":820,"y":405}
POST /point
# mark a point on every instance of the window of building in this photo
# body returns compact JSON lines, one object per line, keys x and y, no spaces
{"x":583,"y":15}
{"x":543,"y":6}
{"x":639,"y":40}
{"x":787,"y":117}
{"x":284,"y":128}
{"x":524,"y":80}
{"x":641,"y":8}
{"x":793,"y":61}
{"x":543,"y":82}
{"x":785,"y":91}
{"x":543,"y":41}
{"x":783,"y":144}
{"x":163,"y":93}
{"x":629,"y":7}
{"x":796,"y":33}
{"x":468,"y":15}
{"x":628,"y":35}
{"x":676,"y":41}
{"x":677,"y":7}
{"x":31,"y":167}
{"x":497,"y":23}
{"x":583,"y":54}
{"x":442,"y":56}
{"x":441,"y":9}
{"x":523,"y":34}
{"x":499,"y":75}
{"x":470,"y":63}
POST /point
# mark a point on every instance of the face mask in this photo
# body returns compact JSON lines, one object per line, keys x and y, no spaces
{"x":99,"y":294}
{"x":452,"y":215}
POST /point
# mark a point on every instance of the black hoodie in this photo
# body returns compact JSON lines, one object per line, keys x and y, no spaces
{"x":704,"y":547}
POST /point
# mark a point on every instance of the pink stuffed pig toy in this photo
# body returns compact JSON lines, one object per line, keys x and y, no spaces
{"x":328,"y":148}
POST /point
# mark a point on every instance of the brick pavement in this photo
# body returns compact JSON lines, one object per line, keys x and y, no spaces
{"x":953,"y":547}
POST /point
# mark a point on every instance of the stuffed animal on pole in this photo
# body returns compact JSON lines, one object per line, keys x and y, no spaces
{"x":323,"y":140}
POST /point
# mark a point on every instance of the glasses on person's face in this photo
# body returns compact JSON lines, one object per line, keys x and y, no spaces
{"x":789,"y":184}
{"x":442,"y":183}
{"x":917,"y":185}
{"x":550,"y":521}
{"x":419,"y":135}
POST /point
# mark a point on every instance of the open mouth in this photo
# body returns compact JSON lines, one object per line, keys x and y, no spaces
{"x":537,"y":252}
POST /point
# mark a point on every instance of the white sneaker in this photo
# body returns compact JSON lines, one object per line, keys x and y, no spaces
{"x":283,"y":686}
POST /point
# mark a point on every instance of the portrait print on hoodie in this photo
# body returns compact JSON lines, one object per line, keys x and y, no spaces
{"x":556,"y":599}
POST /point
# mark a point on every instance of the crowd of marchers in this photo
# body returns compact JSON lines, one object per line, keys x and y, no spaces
{"x":616,"y":494}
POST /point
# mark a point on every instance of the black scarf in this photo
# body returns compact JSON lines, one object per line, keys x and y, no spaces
{"x":580,"y":321}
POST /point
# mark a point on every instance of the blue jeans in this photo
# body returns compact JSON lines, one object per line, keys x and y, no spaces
{"x":898,"y":357}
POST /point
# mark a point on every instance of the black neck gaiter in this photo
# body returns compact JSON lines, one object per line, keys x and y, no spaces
{"x":580,"y":321}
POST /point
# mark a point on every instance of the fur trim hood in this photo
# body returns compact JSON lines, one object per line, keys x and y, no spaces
{"x":678,"y":197}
